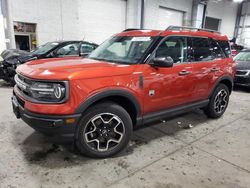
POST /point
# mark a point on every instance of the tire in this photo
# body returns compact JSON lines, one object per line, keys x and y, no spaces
{"x":104,"y":130}
{"x":218,"y":102}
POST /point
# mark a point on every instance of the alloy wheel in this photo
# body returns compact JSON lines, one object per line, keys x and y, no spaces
{"x":221,"y":100}
{"x":104,"y":132}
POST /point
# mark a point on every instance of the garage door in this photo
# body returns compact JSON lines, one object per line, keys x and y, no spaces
{"x":100,"y":19}
{"x":167,"y":17}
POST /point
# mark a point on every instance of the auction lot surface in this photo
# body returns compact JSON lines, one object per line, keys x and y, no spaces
{"x":212,"y":153}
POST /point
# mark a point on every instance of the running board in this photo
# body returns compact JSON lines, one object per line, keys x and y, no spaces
{"x":152,"y":117}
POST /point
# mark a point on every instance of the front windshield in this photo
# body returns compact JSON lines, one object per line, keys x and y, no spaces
{"x":45,"y":48}
{"x":243,"y":56}
{"x":122,"y":49}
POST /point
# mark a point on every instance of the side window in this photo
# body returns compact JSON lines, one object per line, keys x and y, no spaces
{"x":225,"y":46}
{"x":174,"y":47}
{"x":216,"y":49}
{"x":201,"y":49}
{"x":68,"y":50}
{"x":87,"y":48}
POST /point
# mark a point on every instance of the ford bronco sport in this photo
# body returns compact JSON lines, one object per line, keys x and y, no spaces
{"x":136,"y":77}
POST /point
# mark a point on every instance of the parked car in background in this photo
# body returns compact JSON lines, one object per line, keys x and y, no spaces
{"x":243,"y":68}
{"x":12,"y":58}
{"x":236,"y":49}
{"x":134,"y":78}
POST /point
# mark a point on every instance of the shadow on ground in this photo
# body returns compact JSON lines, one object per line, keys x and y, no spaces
{"x":52,"y":153}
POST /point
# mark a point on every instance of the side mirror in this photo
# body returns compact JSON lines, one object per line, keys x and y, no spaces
{"x":162,"y":62}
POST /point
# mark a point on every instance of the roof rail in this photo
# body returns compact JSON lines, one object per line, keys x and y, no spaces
{"x":171,"y":28}
{"x":130,"y":29}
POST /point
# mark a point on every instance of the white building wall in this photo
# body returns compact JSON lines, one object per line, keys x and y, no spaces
{"x":55,"y":19}
{"x":227,"y":12}
{"x":100,"y":19}
{"x":152,"y":10}
{"x":2,"y":34}
{"x":95,"y":20}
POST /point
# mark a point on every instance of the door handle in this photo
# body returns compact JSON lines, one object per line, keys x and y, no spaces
{"x":214,"y":69}
{"x":183,"y":73}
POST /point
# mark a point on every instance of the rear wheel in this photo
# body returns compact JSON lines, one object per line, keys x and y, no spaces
{"x":104,"y":131}
{"x":218,"y":102}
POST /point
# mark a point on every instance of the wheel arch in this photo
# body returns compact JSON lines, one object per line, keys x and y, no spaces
{"x":120,"y":96}
{"x":227,"y":80}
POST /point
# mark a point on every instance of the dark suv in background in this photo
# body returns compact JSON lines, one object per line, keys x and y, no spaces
{"x":13,"y":58}
{"x":243,"y":68}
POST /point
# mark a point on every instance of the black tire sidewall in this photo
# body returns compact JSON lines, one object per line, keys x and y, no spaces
{"x":98,"y":109}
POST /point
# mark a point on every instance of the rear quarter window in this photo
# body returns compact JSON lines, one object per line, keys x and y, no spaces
{"x":225,"y":46}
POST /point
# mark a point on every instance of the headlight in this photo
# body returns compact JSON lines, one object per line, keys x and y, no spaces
{"x":43,"y":91}
{"x":48,"y":92}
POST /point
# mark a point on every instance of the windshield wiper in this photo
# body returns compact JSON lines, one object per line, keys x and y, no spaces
{"x":110,"y":60}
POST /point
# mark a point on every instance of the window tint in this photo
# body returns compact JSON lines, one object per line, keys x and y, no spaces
{"x":174,"y":47}
{"x":225,"y":46}
{"x":68,"y":50}
{"x":216,"y":49}
{"x":87,"y":48}
{"x":201,"y":49}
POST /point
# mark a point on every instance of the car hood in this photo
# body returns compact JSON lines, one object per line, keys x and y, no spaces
{"x":243,"y":65}
{"x":14,"y":56}
{"x":70,"y":69}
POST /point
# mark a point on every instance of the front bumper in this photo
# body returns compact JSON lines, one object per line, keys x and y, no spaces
{"x":242,"y":81}
{"x":53,"y":125}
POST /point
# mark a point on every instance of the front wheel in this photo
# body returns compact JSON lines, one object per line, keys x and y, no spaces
{"x":218,"y":102}
{"x":104,"y":131}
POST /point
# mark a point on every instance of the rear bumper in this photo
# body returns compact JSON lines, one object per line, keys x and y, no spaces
{"x":53,"y":125}
{"x":242,"y":81}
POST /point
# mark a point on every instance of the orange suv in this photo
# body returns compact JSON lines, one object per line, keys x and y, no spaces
{"x":136,"y":77}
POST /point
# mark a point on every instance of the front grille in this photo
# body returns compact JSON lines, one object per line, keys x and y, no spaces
{"x":23,"y":84}
{"x":242,"y":80}
{"x":241,"y":72}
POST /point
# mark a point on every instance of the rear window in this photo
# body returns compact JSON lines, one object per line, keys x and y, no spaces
{"x":225,"y":46}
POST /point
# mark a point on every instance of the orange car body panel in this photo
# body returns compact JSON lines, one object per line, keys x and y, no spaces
{"x":88,"y":77}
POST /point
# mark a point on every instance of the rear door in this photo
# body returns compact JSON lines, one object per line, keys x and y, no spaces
{"x":206,"y":60}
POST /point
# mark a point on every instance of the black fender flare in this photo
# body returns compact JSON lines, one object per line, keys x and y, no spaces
{"x":224,"y":78}
{"x":109,"y":93}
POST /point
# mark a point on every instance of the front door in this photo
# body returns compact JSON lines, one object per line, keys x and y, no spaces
{"x":168,"y":87}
